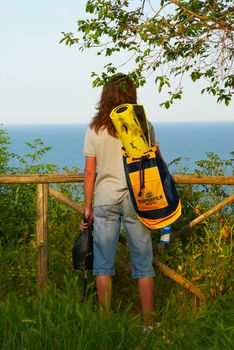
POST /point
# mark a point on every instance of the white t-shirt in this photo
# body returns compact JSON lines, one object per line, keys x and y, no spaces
{"x":110,"y":185}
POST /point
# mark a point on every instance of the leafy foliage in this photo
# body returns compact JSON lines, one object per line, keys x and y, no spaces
{"x":205,"y":254}
{"x":59,"y":318}
{"x":18,"y":220}
{"x":4,"y":154}
{"x":169,"y":38}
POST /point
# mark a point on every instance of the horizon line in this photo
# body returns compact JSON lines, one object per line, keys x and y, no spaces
{"x":86,"y":123}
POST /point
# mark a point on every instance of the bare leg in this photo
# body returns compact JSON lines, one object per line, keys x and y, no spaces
{"x":104,"y":292}
{"x":146,"y":291}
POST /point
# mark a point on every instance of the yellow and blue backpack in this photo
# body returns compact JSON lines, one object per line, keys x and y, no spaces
{"x":151,"y":186}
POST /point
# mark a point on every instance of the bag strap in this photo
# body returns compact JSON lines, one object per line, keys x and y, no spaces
{"x":142,"y":174}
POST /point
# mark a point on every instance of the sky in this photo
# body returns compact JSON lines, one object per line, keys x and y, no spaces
{"x":42,"y":81}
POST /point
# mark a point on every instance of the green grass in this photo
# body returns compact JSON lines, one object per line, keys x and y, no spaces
{"x":60,"y":320}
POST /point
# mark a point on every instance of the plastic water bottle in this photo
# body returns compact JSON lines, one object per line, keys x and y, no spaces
{"x":165,"y":235}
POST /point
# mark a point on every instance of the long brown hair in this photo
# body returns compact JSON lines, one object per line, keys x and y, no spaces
{"x":120,"y":89}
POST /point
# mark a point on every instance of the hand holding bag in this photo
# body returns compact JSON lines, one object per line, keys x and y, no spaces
{"x":82,"y":251}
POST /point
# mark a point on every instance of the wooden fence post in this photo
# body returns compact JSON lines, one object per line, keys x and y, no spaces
{"x":42,"y":235}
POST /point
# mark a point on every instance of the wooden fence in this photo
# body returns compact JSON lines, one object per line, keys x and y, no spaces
{"x":42,"y":182}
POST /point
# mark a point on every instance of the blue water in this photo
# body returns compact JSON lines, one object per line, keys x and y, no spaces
{"x":190,"y":141}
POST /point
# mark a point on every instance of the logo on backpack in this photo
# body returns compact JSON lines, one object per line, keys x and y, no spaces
{"x":150,"y":199}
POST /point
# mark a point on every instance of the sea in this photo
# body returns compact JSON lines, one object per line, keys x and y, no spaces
{"x":189,"y":141}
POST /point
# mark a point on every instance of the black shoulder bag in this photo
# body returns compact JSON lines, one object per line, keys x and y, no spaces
{"x":82,"y":251}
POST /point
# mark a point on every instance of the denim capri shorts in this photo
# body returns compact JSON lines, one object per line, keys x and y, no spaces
{"x":107,"y":227}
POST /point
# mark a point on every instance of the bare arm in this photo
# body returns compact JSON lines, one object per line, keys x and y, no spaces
{"x":89,"y":180}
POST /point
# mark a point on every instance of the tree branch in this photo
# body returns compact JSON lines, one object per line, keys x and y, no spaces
{"x":217,"y":25}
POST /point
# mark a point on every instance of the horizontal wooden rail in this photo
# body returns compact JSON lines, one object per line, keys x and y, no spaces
{"x":199,"y":179}
{"x":79,"y":177}
{"x":40,"y":178}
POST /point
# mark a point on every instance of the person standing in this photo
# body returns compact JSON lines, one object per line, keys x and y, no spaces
{"x":112,"y":204}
